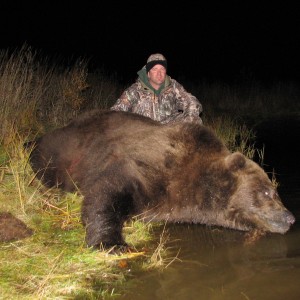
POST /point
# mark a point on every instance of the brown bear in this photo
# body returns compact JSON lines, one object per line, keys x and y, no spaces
{"x":125,"y":165}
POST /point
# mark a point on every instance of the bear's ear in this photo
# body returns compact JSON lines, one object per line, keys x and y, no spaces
{"x":235,"y":161}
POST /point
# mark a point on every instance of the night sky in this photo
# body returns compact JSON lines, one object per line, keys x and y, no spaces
{"x":215,"y":41}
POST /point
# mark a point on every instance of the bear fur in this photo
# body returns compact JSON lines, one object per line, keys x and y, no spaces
{"x":125,"y":165}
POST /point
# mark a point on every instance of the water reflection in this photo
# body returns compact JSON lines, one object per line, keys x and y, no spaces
{"x":214,"y":262}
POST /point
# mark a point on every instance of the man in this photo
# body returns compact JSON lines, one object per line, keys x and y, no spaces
{"x":159,"y":97}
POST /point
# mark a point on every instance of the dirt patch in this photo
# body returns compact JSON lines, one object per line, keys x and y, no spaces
{"x":12,"y":228}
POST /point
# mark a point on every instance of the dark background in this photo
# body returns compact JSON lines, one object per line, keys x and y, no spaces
{"x":214,"y":41}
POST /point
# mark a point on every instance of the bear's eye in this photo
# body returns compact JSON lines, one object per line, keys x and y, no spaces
{"x":270,"y":194}
{"x":266,"y":194}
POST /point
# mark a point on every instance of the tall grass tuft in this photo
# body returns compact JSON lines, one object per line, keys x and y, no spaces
{"x":236,"y":136}
{"x":37,"y":93}
{"x":21,"y":89}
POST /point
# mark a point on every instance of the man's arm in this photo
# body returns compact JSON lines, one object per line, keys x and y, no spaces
{"x":188,"y":103}
{"x":123,"y":103}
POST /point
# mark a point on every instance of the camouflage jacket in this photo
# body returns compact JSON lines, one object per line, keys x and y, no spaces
{"x":171,"y":103}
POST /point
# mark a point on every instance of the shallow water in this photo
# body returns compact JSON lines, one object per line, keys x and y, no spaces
{"x":214,"y":263}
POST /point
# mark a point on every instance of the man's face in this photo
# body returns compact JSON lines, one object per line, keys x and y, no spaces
{"x":157,"y":75}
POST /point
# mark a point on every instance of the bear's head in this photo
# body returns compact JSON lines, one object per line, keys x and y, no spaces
{"x":255,"y":203}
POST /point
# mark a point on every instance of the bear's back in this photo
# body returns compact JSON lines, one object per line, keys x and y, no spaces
{"x":99,"y":138}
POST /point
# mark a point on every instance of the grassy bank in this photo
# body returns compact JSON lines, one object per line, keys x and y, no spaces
{"x":54,"y":263}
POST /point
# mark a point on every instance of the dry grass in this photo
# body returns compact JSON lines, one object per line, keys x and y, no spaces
{"x":236,"y":136}
{"x":159,"y":259}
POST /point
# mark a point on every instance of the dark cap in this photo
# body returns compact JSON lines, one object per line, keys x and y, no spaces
{"x":155,"y":59}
